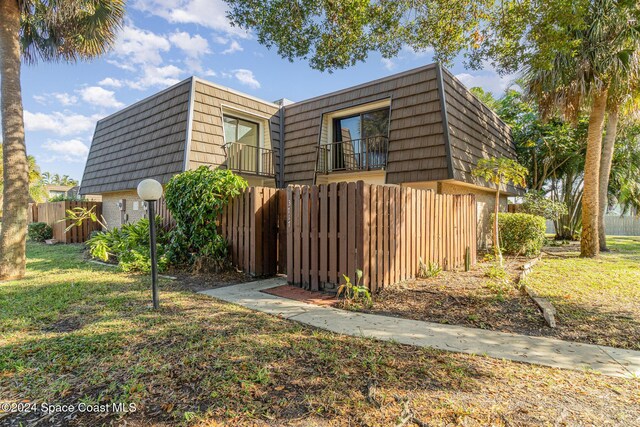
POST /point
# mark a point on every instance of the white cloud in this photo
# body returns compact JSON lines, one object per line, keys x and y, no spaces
{"x":489,"y":80}
{"x":193,"y":46}
{"x":138,"y":46}
{"x":208,"y":13}
{"x":58,"y":123}
{"x":111,"y":82}
{"x":98,"y":96}
{"x":64,"y":98}
{"x":157,"y":76}
{"x":388,"y":63}
{"x":72,"y":150}
{"x":234,"y":46}
{"x":416,"y":53}
{"x":247,"y":78}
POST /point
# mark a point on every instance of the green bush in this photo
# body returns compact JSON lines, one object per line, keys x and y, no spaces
{"x":521,"y":234}
{"x":129,"y":246}
{"x":40,"y":231}
{"x":535,"y":203}
{"x":66,"y":198}
{"x":196,"y":199}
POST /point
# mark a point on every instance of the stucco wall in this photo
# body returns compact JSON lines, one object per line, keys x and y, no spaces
{"x":134,"y":208}
{"x":486,"y":206}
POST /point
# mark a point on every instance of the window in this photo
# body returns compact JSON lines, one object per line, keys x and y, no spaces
{"x":240,"y":131}
{"x":242,"y":144}
{"x":360,"y":140}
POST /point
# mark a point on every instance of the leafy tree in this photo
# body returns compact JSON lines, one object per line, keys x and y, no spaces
{"x":535,"y":203}
{"x":339,"y":34}
{"x":35,"y":30}
{"x":573,"y":60}
{"x":500,"y":172}
{"x":196,"y":200}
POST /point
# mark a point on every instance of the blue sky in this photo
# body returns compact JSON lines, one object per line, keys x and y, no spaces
{"x":163,"y":42}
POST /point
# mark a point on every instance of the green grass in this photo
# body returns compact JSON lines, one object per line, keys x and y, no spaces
{"x":73,"y":332}
{"x":598,"y":300}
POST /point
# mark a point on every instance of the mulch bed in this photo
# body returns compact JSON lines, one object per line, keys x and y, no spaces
{"x":465,"y":298}
{"x":189,"y":281}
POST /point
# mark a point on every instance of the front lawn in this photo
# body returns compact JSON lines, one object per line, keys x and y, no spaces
{"x":74,"y":332}
{"x":598,"y":301}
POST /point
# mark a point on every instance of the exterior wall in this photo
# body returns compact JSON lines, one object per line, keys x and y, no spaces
{"x":114,"y":216}
{"x":145,"y":140}
{"x":207,"y":132}
{"x":475,"y":131}
{"x":416,"y":142}
{"x":486,"y":206}
{"x":368,"y":177}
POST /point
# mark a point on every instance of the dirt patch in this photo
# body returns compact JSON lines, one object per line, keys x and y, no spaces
{"x":65,"y":325}
{"x":465,"y":298}
{"x":190,"y":281}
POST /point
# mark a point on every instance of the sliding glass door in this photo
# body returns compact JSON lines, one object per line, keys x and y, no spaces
{"x":242,"y":144}
{"x":360,"y":141}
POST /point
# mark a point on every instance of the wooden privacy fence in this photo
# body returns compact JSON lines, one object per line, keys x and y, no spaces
{"x":382,"y":230}
{"x":54,"y":213}
{"x":252,"y":224}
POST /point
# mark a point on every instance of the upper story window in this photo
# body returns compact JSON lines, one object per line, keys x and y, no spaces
{"x":359,"y":140}
{"x":245,"y":147}
{"x":369,"y":124}
{"x":240,"y":131}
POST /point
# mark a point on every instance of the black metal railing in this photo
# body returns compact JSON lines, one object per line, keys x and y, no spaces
{"x":353,"y":155}
{"x":250,"y":159}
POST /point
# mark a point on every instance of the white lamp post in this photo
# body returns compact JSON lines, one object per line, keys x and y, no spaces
{"x":150,"y":191}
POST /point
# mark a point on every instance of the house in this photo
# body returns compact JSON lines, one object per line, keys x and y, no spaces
{"x":421,"y":128}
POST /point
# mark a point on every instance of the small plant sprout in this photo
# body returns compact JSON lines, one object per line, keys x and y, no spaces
{"x":355,"y":293}
{"x":426,"y":271}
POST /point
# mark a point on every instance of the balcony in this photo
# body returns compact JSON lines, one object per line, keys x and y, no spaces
{"x":353,"y":155}
{"x":249,"y":159}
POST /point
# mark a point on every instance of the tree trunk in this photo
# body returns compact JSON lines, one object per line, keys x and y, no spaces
{"x":605,"y":171}
{"x":16,"y":169}
{"x":496,"y":229}
{"x":589,"y":244}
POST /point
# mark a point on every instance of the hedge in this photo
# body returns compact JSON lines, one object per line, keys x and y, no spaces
{"x":521,"y":234}
{"x":40,"y":231}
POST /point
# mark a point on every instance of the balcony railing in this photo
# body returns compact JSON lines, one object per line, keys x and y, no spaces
{"x":353,"y":155}
{"x":250,"y":159}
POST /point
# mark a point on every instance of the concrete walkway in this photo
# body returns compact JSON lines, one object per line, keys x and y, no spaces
{"x":522,"y":348}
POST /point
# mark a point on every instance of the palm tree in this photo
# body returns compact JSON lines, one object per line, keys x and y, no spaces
{"x":624,"y":99}
{"x":39,"y":30}
{"x":583,"y":79}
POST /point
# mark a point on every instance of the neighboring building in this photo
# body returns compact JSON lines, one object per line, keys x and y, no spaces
{"x":421,"y":128}
{"x":61,"y":190}
{"x":69,"y":192}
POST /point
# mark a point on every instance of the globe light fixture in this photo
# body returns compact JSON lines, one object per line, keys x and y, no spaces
{"x":150,"y":191}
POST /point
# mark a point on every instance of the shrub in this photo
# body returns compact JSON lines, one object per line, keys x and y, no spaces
{"x":40,"y":231}
{"x":129,"y":246}
{"x":67,"y":198}
{"x":535,"y":203}
{"x":521,"y":234}
{"x":196,"y":199}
